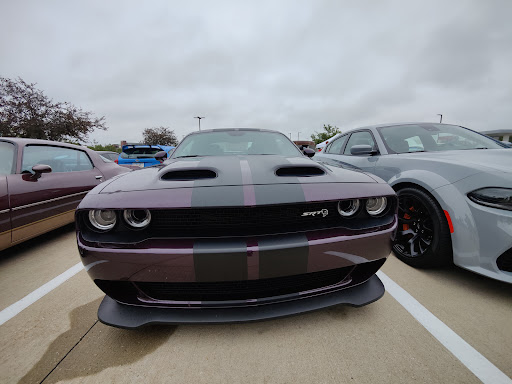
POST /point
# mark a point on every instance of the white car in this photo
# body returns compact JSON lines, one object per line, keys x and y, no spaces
{"x":322,"y":145}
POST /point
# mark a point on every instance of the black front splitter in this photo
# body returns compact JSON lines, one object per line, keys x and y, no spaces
{"x":119,"y":315}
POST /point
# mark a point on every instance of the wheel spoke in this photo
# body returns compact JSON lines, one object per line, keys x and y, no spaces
{"x":417,"y":238}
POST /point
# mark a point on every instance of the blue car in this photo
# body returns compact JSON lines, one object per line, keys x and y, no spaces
{"x":142,"y":155}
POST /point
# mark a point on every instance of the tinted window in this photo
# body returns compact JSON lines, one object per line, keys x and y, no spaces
{"x":225,"y":143}
{"x":337,"y":145}
{"x":6,"y":158}
{"x":359,"y":138}
{"x":59,"y":158}
{"x":105,"y":160}
{"x":433,"y":137}
{"x":109,"y":155}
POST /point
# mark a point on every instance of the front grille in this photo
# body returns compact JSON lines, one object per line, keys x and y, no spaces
{"x":210,"y":292}
{"x":504,"y":262}
{"x":244,"y":221}
{"x":243,"y":290}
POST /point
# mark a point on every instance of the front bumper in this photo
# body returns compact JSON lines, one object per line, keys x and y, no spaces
{"x":481,"y":234}
{"x":119,"y":315}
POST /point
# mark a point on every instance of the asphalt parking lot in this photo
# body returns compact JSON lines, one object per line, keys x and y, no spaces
{"x":436,"y":326}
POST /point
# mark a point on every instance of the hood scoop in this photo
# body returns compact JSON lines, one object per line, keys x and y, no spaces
{"x":189,"y":174}
{"x":300,"y":171}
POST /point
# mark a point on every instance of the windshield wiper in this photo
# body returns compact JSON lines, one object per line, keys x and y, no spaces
{"x":179,"y":157}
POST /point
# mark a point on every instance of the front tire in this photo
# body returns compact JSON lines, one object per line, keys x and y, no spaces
{"x":423,"y":237}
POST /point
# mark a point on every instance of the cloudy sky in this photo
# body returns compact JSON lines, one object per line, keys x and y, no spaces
{"x":286,"y":65}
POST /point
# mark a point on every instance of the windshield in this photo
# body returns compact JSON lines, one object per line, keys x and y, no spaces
{"x":139,"y":153}
{"x":433,"y":137}
{"x":236,"y":142}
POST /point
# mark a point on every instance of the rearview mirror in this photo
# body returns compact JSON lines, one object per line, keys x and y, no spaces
{"x":308,"y":152}
{"x":362,"y":149}
{"x":161,"y":156}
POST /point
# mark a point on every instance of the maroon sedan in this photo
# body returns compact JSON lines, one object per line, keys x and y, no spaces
{"x":41,"y":184}
{"x":237,"y":225}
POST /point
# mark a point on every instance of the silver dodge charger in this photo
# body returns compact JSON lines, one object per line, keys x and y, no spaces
{"x":454,"y":187}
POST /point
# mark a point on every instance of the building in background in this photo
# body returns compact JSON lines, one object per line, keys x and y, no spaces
{"x":499,"y":134}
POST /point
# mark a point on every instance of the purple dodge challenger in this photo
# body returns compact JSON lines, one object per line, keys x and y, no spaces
{"x":237,"y":225}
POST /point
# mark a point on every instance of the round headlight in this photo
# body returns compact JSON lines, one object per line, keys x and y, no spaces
{"x":348,"y":208}
{"x":137,"y":218}
{"x":376,"y":205}
{"x":101,"y":219}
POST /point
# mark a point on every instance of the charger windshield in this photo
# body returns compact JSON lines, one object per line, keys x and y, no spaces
{"x":434,"y":137}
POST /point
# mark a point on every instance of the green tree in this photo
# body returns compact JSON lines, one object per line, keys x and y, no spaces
{"x":329,"y":131}
{"x":99,"y":147}
{"x":160,"y":135}
{"x":26,"y":111}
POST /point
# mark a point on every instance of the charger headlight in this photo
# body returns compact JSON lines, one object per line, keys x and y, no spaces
{"x":500,"y":198}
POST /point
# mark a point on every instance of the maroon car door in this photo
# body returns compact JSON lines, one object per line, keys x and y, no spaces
{"x":40,"y":204}
{"x":7,"y":152}
{"x":5,"y":216}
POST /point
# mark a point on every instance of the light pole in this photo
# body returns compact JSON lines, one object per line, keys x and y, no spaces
{"x":441,"y":118}
{"x":199,"y":120}
{"x":290,"y":135}
{"x":298,"y":133}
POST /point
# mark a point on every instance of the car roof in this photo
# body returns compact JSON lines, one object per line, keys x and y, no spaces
{"x":25,"y":141}
{"x":234,"y":129}
{"x":398,"y":124}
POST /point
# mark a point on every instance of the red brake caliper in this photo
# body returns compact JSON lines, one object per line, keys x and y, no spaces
{"x":407,"y":217}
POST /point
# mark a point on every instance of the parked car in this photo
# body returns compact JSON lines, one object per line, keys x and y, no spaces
{"x":141,"y":155}
{"x":237,"y":225}
{"x":108,"y":157}
{"x":112,"y":156}
{"x":322,"y":145}
{"x":454,"y":187}
{"x":41,"y":184}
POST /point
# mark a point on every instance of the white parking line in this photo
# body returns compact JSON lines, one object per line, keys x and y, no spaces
{"x":470,"y":357}
{"x":12,"y":310}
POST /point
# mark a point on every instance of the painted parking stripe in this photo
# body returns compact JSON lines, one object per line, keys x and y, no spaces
{"x":482,"y":368}
{"x":12,"y":310}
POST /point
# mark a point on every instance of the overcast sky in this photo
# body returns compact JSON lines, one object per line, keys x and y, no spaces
{"x":286,"y":65}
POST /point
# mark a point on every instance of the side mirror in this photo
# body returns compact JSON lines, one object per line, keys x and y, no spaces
{"x":362,"y":149}
{"x":308,"y":152}
{"x":39,"y":169}
{"x":161,"y":156}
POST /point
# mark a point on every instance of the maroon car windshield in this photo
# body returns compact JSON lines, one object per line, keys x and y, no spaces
{"x":236,"y":142}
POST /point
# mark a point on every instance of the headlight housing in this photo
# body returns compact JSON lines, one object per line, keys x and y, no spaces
{"x":348,"y":208}
{"x":103,"y":219}
{"x":375,"y":206}
{"x":137,"y":218}
{"x":494,"y":197}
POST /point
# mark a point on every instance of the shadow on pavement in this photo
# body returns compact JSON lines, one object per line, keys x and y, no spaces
{"x":102,"y":347}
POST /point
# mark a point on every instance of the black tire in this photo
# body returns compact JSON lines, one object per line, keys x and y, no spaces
{"x":423,"y":237}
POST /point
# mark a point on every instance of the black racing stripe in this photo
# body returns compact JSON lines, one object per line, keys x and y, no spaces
{"x":263,"y":168}
{"x":226,"y":190}
{"x":266,"y":188}
{"x":283,"y":255}
{"x":228,"y":170}
{"x":220,"y":260}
